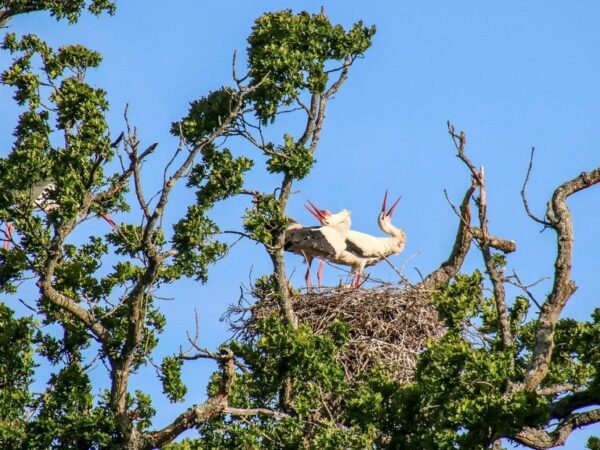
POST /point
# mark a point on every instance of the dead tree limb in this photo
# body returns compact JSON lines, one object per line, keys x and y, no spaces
{"x":465,"y":232}
{"x":560,"y":220}
{"x":524,"y":196}
{"x":539,"y":438}
{"x":209,"y":410}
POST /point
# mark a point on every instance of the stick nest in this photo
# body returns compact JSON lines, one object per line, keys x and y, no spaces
{"x":388,"y":326}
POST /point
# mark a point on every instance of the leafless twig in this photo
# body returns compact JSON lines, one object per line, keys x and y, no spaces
{"x":524,"y":197}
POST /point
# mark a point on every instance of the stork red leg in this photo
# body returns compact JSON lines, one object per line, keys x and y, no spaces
{"x":356,"y":280}
{"x":307,"y":276}
{"x":9,"y":228}
{"x":362,"y":282}
{"x":320,"y":273}
{"x":110,"y":221}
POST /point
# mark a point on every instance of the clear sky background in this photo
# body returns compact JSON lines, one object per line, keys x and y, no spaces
{"x":511,"y":74}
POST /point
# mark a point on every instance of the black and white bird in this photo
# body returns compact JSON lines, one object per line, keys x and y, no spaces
{"x":363,"y":250}
{"x":41,"y":193}
{"x":327,"y":241}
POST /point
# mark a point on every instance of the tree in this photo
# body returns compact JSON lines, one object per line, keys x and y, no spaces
{"x":493,"y":375}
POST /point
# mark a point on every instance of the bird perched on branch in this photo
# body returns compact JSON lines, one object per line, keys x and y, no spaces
{"x":364,"y":249}
{"x":40,"y":194}
{"x":325,"y":242}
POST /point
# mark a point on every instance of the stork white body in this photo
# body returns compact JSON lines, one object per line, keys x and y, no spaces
{"x":41,"y":195}
{"x":325,"y":242}
{"x":364,"y":249}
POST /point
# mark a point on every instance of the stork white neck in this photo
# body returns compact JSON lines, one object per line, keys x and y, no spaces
{"x":398,"y":238}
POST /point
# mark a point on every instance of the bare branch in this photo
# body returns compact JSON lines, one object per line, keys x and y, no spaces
{"x":194,"y":416}
{"x":341,"y":79}
{"x":494,"y":241}
{"x":69,"y":305}
{"x":238,"y":233}
{"x":483,"y":236}
{"x":556,"y":389}
{"x":524,"y":197}
{"x":254,"y":412}
{"x":567,"y":405}
{"x":9,"y":12}
{"x":117,"y":141}
{"x":28,"y":306}
{"x":494,"y":270}
{"x":460,"y":142}
{"x":131,"y":142}
{"x":395,"y":269}
{"x":539,"y":438}
{"x":303,"y":106}
{"x":199,"y":414}
{"x":462,"y":243}
{"x":135,"y":162}
{"x":563,"y":287}
{"x":525,"y":288}
{"x":311,"y":119}
{"x":454,"y":208}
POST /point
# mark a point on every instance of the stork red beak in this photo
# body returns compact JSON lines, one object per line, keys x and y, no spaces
{"x":319,"y":214}
{"x":392,"y":208}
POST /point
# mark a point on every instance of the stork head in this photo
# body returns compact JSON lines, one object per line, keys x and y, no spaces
{"x":321,"y":215}
{"x":340,"y":219}
{"x":326,"y":218}
{"x":385,"y":217}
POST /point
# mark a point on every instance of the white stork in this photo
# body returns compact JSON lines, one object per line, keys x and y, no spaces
{"x":41,"y":196}
{"x":363,"y":249}
{"x":325,"y":242}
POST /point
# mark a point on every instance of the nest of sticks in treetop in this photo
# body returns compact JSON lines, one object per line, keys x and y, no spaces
{"x":388,"y":325}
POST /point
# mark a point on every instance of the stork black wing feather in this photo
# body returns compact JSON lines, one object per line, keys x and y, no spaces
{"x":355,"y":249}
{"x":305,"y":240}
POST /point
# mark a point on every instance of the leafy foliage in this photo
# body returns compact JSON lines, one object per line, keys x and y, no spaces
{"x":317,"y":377}
{"x":265,"y":219}
{"x":67,"y":417}
{"x":141,"y":410}
{"x":292,"y":159}
{"x":288,"y":53}
{"x":593,"y":443}
{"x":171,"y":378}
{"x":61,"y":9}
{"x":16,"y":372}
{"x":219,"y":176}
{"x":282,"y":386}
{"x":205,"y":116}
{"x":194,"y":245}
{"x":80,"y":110}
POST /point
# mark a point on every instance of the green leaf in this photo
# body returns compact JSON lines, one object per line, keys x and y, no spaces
{"x":170,"y":376}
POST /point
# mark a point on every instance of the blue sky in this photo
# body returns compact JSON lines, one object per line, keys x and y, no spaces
{"x":511,"y":74}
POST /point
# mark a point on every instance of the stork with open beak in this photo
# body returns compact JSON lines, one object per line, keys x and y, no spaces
{"x":41,"y":195}
{"x":363,"y":250}
{"x":325,"y":242}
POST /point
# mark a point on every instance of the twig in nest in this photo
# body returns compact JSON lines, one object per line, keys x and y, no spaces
{"x":387,"y":326}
